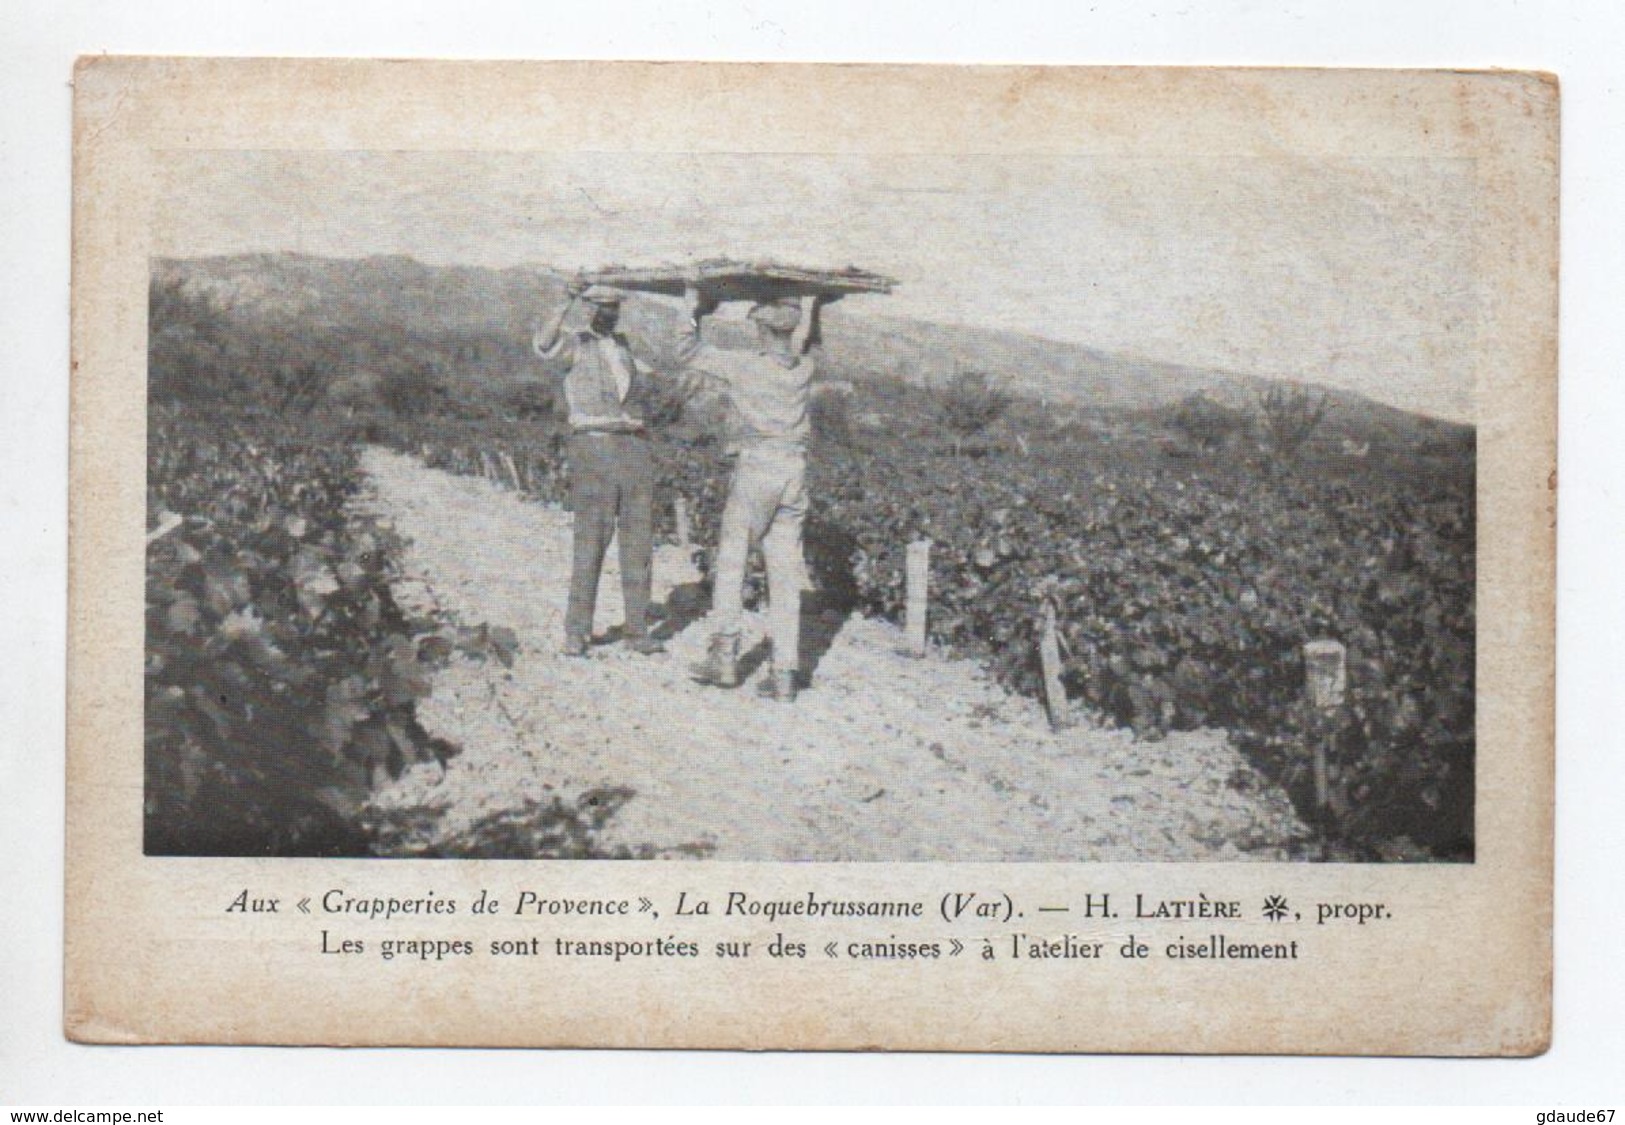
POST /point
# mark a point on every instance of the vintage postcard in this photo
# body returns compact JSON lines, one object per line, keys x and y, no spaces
{"x":812,"y":557}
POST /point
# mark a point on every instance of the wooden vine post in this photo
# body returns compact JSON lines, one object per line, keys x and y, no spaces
{"x":512,"y":470}
{"x":168,"y":522}
{"x":685,"y":530}
{"x":1325,"y":669}
{"x":1049,"y":656}
{"x":918,"y":573}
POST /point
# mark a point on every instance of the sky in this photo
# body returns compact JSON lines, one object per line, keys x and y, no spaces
{"x":1359,"y":275}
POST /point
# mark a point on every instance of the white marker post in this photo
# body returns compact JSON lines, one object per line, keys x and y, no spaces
{"x":512,"y":470}
{"x":918,"y":572}
{"x":1049,"y":655}
{"x":1325,"y":669}
{"x":685,"y":530}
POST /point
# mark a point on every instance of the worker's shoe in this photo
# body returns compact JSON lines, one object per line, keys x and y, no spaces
{"x":779,"y":686}
{"x":574,"y":646}
{"x":644,"y":645}
{"x":720,"y":668}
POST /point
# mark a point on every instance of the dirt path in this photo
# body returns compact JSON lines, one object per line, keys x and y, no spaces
{"x":885,"y":758}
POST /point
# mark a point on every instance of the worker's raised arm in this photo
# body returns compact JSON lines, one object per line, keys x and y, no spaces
{"x":548,"y":341}
{"x":688,"y":344}
{"x":806,"y":330}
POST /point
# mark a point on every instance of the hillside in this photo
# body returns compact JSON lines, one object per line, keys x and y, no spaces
{"x":384,"y":291}
{"x":394,"y":294}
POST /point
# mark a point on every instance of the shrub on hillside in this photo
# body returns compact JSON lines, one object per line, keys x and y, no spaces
{"x":356,"y":390}
{"x":969,"y":403}
{"x":1207,"y":424}
{"x":410,"y":386}
{"x":1289,"y":415}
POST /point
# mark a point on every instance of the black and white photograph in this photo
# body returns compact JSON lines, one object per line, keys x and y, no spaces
{"x":1068,"y":574}
{"x":1036,"y":553}
{"x":855,"y":507}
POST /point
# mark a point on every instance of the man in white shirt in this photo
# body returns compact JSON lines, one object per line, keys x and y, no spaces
{"x":769,"y":389}
{"x":611,"y":468}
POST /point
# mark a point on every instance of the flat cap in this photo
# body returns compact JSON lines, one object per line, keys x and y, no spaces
{"x":782,"y":315}
{"x":601,"y":295}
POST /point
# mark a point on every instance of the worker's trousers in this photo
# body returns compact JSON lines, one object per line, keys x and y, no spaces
{"x":767,"y":504}
{"x":611,"y":488}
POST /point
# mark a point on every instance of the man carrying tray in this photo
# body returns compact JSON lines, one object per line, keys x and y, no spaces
{"x":768,"y":389}
{"x":611,"y":468}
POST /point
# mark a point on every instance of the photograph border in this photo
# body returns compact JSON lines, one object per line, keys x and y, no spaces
{"x":1516,"y":861}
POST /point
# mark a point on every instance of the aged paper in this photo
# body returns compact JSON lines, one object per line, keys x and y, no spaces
{"x":1126,"y":626}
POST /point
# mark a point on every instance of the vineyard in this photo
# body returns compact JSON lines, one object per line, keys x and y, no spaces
{"x":1184,"y":597}
{"x":282,"y":676}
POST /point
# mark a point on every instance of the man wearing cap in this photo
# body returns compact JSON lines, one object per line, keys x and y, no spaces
{"x":768,"y":389}
{"x":611,"y":469}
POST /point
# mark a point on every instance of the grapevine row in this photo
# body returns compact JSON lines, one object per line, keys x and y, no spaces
{"x":281,"y":674}
{"x":1184,"y":593}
